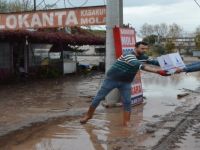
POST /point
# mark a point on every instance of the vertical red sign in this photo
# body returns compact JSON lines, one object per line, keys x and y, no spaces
{"x":125,"y":39}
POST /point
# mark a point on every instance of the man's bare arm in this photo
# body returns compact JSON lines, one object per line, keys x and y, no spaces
{"x":154,"y":70}
{"x":150,"y":69}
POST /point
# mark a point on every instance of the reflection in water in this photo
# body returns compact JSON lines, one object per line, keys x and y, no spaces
{"x":101,"y":133}
{"x":64,"y":137}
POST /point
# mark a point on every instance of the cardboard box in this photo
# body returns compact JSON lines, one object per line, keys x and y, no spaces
{"x":171,"y":62}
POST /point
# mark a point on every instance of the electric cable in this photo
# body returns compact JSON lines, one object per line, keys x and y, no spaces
{"x":104,"y":1}
{"x":65,"y":4}
{"x":40,"y":3}
{"x":83,"y":4}
{"x":50,"y":5}
{"x":197,"y":3}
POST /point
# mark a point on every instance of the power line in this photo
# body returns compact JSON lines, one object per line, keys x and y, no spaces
{"x":50,"y":5}
{"x":34,"y":5}
{"x":65,"y":4}
{"x":40,"y":3}
{"x":197,"y":3}
{"x":46,"y":5}
{"x":83,"y":4}
{"x":104,"y":1}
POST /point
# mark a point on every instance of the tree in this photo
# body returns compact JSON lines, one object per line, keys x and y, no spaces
{"x":161,"y":29}
{"x":146,"y":30}
{"x":169,"y":46}
{"x":175,"y":31}
{"x":156,"y":50}
{"x":3,"y":6}
{"x":197,"y":38}
{"x":197,"y":30}
{"x":197,"y":41}
{"x":20,"y":5}
{"x":15,"y":6}
{"x":150,"y":39}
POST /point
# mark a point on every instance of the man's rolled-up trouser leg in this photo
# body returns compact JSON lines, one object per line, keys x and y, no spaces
{"x":107,"y":86}
{"x":193,"y":67}
{"x":125,"y":90}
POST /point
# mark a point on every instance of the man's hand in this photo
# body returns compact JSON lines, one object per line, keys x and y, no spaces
{"x":163,"y":73}
{"x":178,"y":70}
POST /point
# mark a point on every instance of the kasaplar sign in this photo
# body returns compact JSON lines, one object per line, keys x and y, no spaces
{"x":54,"y":18}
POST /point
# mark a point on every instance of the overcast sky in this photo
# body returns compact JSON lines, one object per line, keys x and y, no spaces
{"x":136,"y":12}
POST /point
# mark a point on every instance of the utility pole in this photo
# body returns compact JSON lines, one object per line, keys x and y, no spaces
{"x":114,"y":18}
{"x":35,"y":5}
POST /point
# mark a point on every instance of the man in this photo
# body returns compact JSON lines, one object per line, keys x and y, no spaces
{"x":120,"y":75}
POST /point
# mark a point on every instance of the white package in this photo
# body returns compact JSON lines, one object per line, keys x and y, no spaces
{"x":171,"y":62}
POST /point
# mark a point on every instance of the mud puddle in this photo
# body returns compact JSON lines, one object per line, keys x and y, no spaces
{"x":161,"y":93}
{"x":191,"y":141}
{"x":105,"y":131}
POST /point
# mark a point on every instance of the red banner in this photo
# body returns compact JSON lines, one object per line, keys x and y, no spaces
{"x":125,"y":39}
{"x":54,"y":18}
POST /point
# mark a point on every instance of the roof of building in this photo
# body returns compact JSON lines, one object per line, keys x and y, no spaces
{"x":79,"y":38}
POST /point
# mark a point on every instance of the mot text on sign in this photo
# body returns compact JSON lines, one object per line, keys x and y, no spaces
{"x":54,"y":18}
{"x":125,"y":39}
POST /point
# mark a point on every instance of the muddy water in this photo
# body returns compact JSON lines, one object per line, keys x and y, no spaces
{"x":161,"y":92}
{"x":105,"y":131}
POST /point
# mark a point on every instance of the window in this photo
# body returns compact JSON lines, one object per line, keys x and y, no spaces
{"x":67,"y":55}
{"x":39,"y":54}
{"x":5,"y":55}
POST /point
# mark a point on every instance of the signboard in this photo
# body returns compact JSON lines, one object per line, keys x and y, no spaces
{"x":54,"y":18}
{"x":125,"y":39}
{"x":136,"y":91}
{"x":170,"y":62}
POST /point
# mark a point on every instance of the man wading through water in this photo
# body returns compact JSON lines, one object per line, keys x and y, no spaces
{"x":120,"y":76}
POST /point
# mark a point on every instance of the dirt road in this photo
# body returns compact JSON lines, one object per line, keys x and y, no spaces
{"x":163,"y":122}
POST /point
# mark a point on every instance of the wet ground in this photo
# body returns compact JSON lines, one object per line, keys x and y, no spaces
{"x":66,"y":99}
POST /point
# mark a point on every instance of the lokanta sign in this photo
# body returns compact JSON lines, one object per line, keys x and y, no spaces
{"x":54,"y":18}
{"x":125,"y":39}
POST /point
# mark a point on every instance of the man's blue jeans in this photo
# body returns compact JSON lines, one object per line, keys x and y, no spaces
{"x":192,"y":67}
{"x":107,"y":86}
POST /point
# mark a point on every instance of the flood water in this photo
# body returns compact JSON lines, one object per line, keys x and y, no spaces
{"x":161,"y":92}
{"x":105,"y":131}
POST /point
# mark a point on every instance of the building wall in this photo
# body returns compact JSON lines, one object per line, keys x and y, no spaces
{"x":91,"y":60}
{"x":182,"y":43}
{"x":196,"y":53}
{"x":91,"y":55}
{"x":92,"y":50}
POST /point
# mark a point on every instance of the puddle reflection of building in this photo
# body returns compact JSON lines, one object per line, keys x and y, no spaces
{"x":106,"y":129}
